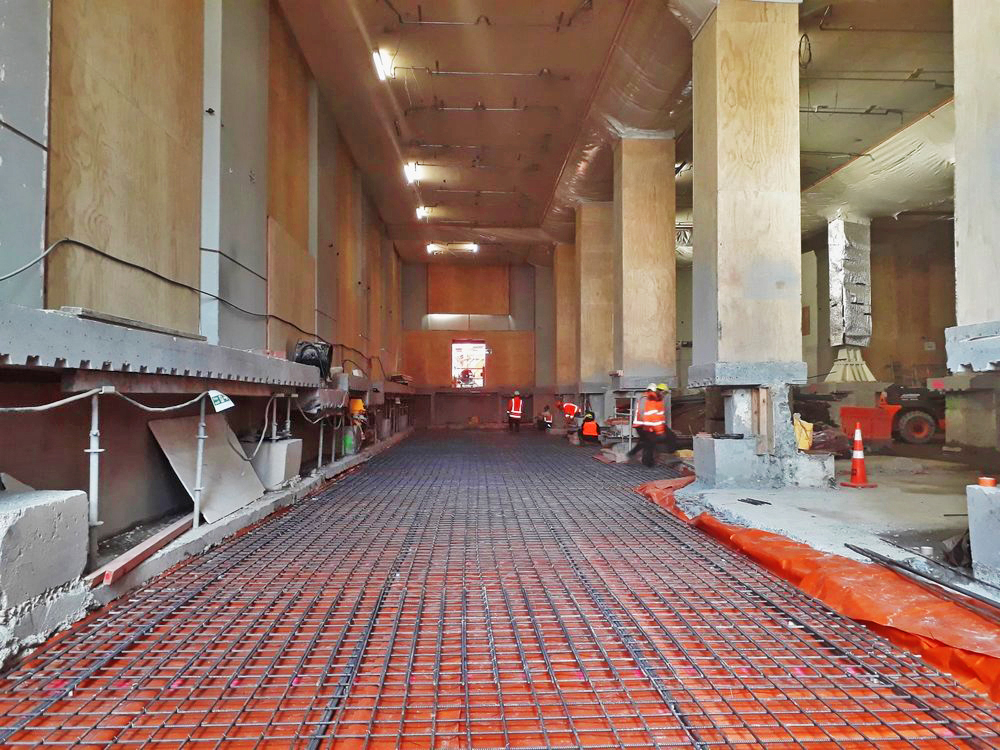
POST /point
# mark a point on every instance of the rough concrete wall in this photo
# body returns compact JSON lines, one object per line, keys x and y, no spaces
{"x":545,"y":328}
{"x":327,"y":267}
{"x":243,"y":205}
{"x":522,"y":298}
{"x":414,"y":296}
{"x":234,"y":172}
{"x":24,"y":98}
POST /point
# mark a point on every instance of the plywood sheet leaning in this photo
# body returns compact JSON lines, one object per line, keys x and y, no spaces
{"x":468,"y":290}
{"x":228,"y":481}
{"x":291,"y":290}
{"x":125,"y":157}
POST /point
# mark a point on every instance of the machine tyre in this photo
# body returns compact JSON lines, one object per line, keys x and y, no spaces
{"x":916,"y":427}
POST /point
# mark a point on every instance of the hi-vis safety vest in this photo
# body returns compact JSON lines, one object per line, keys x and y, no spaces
{"x":649,"y":415}
{"x":570,"y":410}
{"x":590,"y":429}
{"x":547,"y":417}
{"x":514,"y":410}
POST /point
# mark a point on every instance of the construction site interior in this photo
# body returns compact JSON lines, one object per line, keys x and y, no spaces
{"x":499,"y":374}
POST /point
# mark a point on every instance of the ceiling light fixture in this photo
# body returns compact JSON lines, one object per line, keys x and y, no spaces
{"x":411,"y":171}
{"x":423,"y":212}
{"x":453,"y":248}
{"x":383,"y":64}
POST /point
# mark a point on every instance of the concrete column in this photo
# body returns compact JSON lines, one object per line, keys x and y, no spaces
{"x":974,"y":344}
{"x":747,"y":243}
{"x":645,"y":321}
{"x":849,"y":245}
{"x":595,"y":286}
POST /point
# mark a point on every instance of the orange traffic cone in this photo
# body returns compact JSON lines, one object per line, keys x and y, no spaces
{"x":859,"y":475}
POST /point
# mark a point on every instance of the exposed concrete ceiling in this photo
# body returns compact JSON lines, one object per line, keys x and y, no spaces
{"x":485,"y":96}
{"x":510,"y":107}
{"x":867,"y":70}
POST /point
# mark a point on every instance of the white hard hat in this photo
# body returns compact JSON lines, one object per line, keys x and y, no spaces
{"x":651,"y":387}
{"x":517,"y":393}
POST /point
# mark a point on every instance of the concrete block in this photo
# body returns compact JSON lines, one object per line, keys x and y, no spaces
{"x":277,"y":461}
{"x":984,"y":531}
{"x":973,"y":348}
{"x":746,"y":374}
{"x":735,"y":463}
{"x":43,"y":543}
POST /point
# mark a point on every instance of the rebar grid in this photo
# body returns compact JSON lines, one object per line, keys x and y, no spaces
{"x":480,"y":591}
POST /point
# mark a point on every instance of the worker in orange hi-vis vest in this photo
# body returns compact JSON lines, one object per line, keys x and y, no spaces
{"x":651,"y":423}
{"x":590,"y":430}
{"x":514,"y":412}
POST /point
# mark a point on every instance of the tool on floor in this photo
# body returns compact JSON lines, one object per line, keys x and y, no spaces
{"x":859,"y":475}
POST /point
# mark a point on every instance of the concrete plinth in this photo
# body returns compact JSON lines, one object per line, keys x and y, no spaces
{"x":735,"y":463}
{"x":43,"y":543}
{"x":984,"y":531}
{"x":767,"y":454}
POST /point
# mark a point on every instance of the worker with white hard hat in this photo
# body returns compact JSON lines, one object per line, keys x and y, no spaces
{"x":651,"y":423}
{"x":514,"y":412}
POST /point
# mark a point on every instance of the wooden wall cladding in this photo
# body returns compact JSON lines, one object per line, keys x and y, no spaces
{"x":291,"y":289}
{"x":125,"y":156}
{"x":427,"y":357}
{"x":288,"y":131}
{"x":468,"y":290}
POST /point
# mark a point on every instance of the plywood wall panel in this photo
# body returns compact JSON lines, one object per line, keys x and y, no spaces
{"x":468,"y":290}
{"x":291,"y":289}
{"x":125,"y":159}
{"x":427,"y":357}
{"x":288,"y":131}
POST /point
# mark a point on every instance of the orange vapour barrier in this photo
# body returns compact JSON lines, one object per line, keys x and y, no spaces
{"x":944,"y":633}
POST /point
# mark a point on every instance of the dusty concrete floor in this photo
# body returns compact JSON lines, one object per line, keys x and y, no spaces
{"x":917,"y":502}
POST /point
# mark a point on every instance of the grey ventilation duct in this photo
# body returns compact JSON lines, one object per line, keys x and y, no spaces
{"x":646,"y":88}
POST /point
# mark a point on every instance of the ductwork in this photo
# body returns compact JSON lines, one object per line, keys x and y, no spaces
{"x":645,"y":89}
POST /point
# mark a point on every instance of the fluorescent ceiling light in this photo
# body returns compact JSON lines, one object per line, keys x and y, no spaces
{"x":411,"y":172}
{"x":433,"y":249}
{"x":383,"y":64}
{"x":423,"y":212}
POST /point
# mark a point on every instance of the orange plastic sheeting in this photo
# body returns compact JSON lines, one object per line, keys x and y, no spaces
{"x":945,"y":634}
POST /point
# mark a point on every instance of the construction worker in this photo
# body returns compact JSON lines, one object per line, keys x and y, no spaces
{"x":544,"y":420}
{"x":514,"y":411}
{"x":651,"y":423}
{"x":569,"y":411}
{"x":590,"y":431}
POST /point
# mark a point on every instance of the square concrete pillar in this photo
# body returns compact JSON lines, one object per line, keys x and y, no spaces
{"x":645,"y":324}
{"x":596,"y":289}
{"x":973,"y":345}
{"x":747,"y":238}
